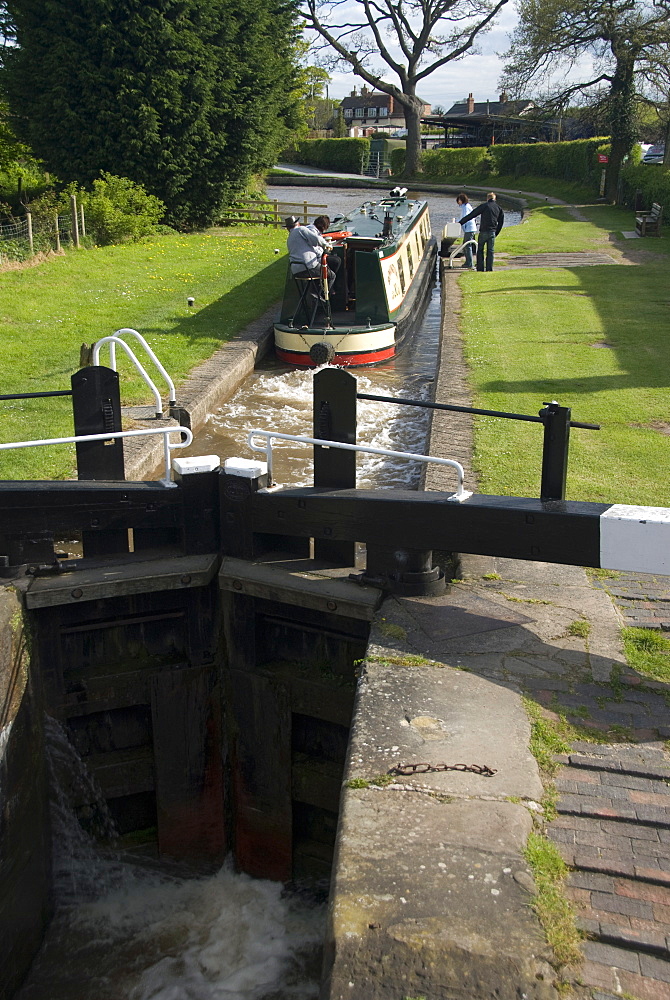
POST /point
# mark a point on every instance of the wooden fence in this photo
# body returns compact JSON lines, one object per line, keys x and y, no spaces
{"x":269,"y":213}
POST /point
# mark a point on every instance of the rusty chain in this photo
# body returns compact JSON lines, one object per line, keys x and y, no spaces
{"x":425,"y":768}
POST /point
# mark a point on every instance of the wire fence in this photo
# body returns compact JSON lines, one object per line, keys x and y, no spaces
{"x":23,"y":238}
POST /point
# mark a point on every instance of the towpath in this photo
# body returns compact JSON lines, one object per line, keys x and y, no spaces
{"x":613,"y":810}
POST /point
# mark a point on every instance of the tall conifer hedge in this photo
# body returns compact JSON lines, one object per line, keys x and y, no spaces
{"x":186,"y":97}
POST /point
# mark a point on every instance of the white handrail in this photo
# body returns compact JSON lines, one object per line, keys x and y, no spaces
{"x":111,"y":435}
{"x":172,"y":398}
{"x":269,"y":436}
{"x":456,"y":252}
{"x":131,"y":354}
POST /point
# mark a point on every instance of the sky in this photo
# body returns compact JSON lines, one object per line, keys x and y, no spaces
{"x":477,"y":73}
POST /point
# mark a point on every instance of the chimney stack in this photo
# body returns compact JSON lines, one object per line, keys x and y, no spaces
{"x":471,"y":104}
{"x":503,"y":97}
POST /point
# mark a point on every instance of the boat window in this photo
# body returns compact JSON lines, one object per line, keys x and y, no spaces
{"x":401,"y":272}
{"x":410,"y":261}
{"x":418,"y":246}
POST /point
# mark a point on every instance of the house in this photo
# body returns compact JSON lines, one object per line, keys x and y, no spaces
{"x":371,"y":111}
{"x":483,"y":123}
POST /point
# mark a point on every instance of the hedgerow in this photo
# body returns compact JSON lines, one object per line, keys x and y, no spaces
{"x":347,"y":155}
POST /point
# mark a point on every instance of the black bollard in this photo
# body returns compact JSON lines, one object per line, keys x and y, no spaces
{"x":555,"y":448}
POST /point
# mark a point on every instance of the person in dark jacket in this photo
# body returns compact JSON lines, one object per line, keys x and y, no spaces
{"x":491,"y":222}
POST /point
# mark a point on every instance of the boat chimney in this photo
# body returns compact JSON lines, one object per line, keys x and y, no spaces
{"x":388,"y":225}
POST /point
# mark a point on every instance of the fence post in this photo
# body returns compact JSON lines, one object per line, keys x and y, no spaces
{"x":305,"y":212}
{"x":334,"y":417}
{"x":29,"y":223}
{"x":75,"y":220}
{"x":83,"y":220}
{"x":555,"y":450}
{"x":57,"y":233}
{"x":276,"y":205}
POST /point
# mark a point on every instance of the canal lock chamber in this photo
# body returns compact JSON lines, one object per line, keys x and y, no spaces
{"x":211,"y":704}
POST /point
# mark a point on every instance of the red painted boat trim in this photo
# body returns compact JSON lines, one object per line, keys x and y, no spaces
{"x":343,"y":360}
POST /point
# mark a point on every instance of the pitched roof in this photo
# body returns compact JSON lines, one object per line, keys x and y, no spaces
{"x":480,"y":108}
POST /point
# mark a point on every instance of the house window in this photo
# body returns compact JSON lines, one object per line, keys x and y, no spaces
{"x":372,"y":112}
{"x":383,"y":112}
{"x":348,"y":112}
{"x":360,"y":113}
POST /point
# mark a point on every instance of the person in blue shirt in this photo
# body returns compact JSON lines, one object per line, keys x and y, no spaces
{"x":469,"y":229}
{"x":491,"y":222}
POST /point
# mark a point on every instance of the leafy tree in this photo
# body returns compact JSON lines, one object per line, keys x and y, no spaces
{"x":626,"y":42}
{"x":412,"y":37}
{"x":185,"y":97}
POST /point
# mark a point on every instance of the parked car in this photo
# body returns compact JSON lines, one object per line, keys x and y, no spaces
{"x":654,"y":154}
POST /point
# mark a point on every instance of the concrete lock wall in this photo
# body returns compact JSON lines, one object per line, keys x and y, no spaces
{"x":25,"y":860}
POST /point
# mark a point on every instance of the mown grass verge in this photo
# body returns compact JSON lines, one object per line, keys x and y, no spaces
{"x":593,"y":338}
{"x":46,"y":312}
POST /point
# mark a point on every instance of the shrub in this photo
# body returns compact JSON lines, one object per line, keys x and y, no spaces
{"x":568,"y":161}
{"x":445,"y":164}
{"x":652,"y":180}
{"x":348,"y":155}
{"x":120,"y":211}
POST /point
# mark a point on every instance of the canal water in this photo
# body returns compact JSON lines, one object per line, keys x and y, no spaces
{"x":279,"y":398}
{"x":129,"y":928}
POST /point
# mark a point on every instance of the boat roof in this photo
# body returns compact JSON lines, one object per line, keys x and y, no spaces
{"x":368,"y":219}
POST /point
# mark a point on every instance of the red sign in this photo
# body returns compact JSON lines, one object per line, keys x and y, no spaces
{"x":603,"y":158}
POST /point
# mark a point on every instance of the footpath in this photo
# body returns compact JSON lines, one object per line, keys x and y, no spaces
{"x":612,"y":822}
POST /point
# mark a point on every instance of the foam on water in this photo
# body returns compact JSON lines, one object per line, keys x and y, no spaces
{"x":125,"y":931}
{"x":283,"y":403}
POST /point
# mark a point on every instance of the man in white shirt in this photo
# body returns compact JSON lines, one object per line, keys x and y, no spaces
{"x":306,"y":246}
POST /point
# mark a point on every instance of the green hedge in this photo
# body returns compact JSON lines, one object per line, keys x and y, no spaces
{"x":447,"y":165}
{"x":347,"y":155}
{"x":567,"y":161}
{"x":652,"y":179}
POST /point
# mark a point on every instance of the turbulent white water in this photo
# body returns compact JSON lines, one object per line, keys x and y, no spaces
{"x":124,"y":931}
{"x":282,"y":402}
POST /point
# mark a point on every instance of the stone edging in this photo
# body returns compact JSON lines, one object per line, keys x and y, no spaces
{"x":208,"y":386}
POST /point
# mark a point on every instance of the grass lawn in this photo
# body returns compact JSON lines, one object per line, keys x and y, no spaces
{"x":47,"y":311}
{"x":594,"y":338}
{"x":550,"y":229}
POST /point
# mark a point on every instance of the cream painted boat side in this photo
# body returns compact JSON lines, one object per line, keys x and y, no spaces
{"x":343,"y":341}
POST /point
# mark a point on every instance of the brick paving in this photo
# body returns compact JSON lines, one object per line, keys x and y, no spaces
{"x":643,"y":600}
{"x":613,"y":830}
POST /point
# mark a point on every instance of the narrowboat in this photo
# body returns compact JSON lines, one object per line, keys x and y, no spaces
{"x":381,"y":288}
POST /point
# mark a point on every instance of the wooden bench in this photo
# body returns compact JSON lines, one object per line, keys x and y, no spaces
{"x":649,"y":223}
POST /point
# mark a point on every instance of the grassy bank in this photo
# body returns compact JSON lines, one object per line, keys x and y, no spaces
{"x":594,"y":338}
{"x":47,"y":311}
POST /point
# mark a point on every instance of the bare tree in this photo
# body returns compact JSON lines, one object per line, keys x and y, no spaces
{"x":622,"y":41}
{"x":411,"y":38}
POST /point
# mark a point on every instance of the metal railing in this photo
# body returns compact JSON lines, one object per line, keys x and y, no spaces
{"x":118,"y":334}
{"x":458,"y":250}
{"x":168,"y":446}
{"x":269,"y":436}
{"x":115,"y":339}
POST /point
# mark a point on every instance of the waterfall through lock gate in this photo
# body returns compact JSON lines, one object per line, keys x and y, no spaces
{"x":126,"y":928}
